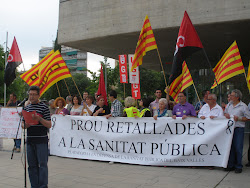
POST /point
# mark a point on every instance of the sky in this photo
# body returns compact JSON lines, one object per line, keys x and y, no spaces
{"x":34,"y":23}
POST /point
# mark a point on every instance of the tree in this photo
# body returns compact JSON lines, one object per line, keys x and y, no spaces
{"x":81,"y":80}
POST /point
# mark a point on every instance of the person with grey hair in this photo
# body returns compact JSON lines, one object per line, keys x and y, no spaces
{"x":69,"y":104}
{"x":162,"y":111}
{"x":240,"y":113}
{"x":52,"y":107}
{"x":211,"y":109}
{"x":130,"y":109}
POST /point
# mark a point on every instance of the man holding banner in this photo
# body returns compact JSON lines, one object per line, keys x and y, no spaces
{"x":211,"y":109}
{"x":37,"y":139}
{"x":183,"y":108}
{"x":241,"y":114}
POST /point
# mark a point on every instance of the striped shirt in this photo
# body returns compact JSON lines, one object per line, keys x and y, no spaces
{"x":38,"y":133}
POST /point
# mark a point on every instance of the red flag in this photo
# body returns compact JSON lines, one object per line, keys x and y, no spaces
{"x":187,"y":43}
{"x":101,"y":88}
{"x":136,"y":92}
{"x":14,"y":59}
{"x":123,"y":68}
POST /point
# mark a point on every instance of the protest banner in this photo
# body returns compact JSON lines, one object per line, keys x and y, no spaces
{"x":123,"y":68}
{"x":9,"y":122}
{"x":162,"y":142}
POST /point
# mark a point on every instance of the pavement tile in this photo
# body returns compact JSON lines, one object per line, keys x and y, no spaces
{"x":74,"y":173}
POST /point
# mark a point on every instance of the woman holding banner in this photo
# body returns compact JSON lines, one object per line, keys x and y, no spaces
{"x":88,"y":108}
{"x":60,"y":104}
{"x":77,"y":108}
{"x":162,"y":111}
{"x":101,"y":109}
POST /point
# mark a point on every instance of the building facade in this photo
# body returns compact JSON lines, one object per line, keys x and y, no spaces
{"x":75,"y":59}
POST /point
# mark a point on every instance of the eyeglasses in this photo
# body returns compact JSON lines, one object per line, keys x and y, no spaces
{"x":33,"y":94}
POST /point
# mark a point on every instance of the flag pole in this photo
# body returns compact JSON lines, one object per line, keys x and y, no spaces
{"x":5,"y":67}
{"x":162,"y":66}
{"x":58,"y":90}
{"x":124,"y":90}
{"x":66,"y":86}
{"x":197,"y":94}
{"x":246,"y":80}
{"x":77,"y":88}
{"x":210,"y":65}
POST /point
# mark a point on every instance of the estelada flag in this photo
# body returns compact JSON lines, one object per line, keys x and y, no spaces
{"x":229,"y":65}
{"x":146,"y":42}
{"x":31,"y":76}
{"x":14,"y":60}
{"x":101,"y":89}
{"x":51,"y":71}
{"x":187,"y":43}
{"x":248,"y":77}
{"x":183,"y":81}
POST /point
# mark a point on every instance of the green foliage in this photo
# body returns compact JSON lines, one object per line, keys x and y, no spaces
{"x":81,"y":80}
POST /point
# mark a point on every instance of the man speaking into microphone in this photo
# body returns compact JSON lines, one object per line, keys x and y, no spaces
{"x":37,"y":139}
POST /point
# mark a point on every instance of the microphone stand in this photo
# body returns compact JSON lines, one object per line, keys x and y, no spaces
{"x":24,"y":146}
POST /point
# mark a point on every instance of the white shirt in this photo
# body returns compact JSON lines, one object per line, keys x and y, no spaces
{"x":91,"y":108}
{"x":240,"y":110}
{"x":207,"y":112}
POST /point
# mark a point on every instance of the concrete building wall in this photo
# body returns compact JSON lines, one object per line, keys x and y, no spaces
{"x":83,"y":20}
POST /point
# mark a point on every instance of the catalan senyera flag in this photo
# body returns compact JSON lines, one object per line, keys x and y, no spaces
{"x":31,"y":76}
{"x":248,"y":77}
{"x":183,"y":81}
{"x":51,"y":71}
{"x":229,"y":65}
{"x":146,"y":42}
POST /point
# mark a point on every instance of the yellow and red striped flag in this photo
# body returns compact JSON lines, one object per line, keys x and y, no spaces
{"x":229,"y":66}
{"x":51,"y":71}
{"x":183,"y":81}
{"x":31,"y":76}
{"x":248,"y":77}
{"x":146,"y":42}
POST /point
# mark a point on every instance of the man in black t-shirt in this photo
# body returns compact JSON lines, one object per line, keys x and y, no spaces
{"x":37,"y":139}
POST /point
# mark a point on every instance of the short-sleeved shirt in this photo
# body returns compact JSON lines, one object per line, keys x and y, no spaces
{"x":199,"y":104}
{"x":14,"y":103}
{"x":76,"y":111}
{"x":91,"y":108}
{"x":38,"y":133}
{"x":185,"y":109}
{"x":154,"y":106}
{"x":240,"y":110}
{"x":207,"y":112}
{"x":105,"y":111}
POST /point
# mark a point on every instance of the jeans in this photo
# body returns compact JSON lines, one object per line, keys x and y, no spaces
{"x":17,"y":143}
{"x":235,"y":158}
{"x":37,"y":155}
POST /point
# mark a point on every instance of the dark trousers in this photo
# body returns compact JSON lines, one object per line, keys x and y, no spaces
{"x":37,"y":155}
{"x":235,"y":158}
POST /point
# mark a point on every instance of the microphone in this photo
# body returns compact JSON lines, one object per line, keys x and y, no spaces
{"x":22,"y":103}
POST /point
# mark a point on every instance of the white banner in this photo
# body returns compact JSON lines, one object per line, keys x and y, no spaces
{"x":162,"y":142}
{"x":9,"y":122}
{"x":133,"y":75}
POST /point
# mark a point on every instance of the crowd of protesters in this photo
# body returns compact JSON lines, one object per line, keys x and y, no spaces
{"x":88,"y":105}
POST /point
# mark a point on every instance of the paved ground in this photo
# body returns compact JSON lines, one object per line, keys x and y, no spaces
{"x":75,"y":173}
